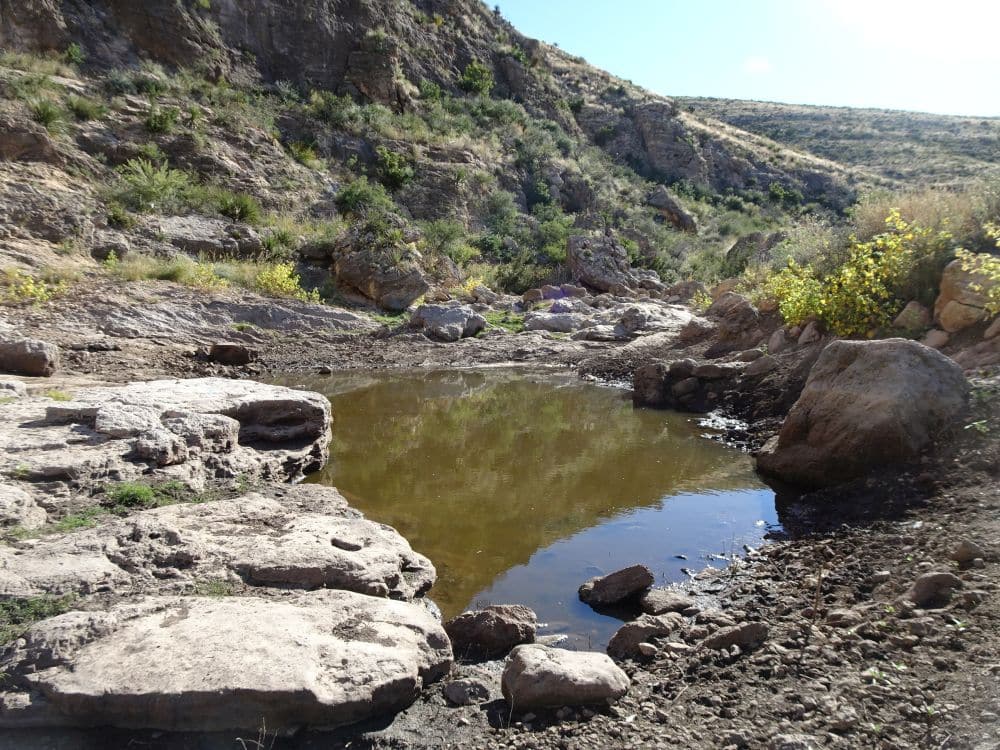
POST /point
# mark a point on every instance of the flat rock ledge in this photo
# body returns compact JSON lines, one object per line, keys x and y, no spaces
{"x":194,"y":431}
{"x":323,"y":659}
{"x":297,"y":537}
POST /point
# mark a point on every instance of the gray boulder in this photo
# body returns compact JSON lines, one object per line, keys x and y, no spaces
{"x":600,"y":263}
{"x":616,"y":587}
{"x":325,"y":659}
{"x":866,"y":405}
{"x":556,"y":322}
{"x":624,"y":644}
{"x":491,"y":632}
{"x":672,"y":210}
{"x":661,"y":601}
{"x":537,"y":676}
{"x":393,"y":283}
{"x":29,"y":357}
{"x":448,"y":323}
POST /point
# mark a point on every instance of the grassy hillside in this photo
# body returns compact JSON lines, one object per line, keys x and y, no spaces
{"x":913,"y":147}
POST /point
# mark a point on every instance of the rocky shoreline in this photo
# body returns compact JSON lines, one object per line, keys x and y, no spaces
{"x":815,"y":642}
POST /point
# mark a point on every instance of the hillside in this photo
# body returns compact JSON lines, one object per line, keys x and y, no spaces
{"x":911,"y":147}
{"x":386,"y":147}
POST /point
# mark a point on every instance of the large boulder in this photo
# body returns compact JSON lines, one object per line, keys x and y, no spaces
{"x":29,"y":357}
{"x":738,"y":324}
{"x":961,"y":302}
{"x":866,"y":405}
{"x":537,"y":676}
{"x":324,"y":659}
{"x":394,"y":283}
{"x":491,"y":632}
{"x":201,"y":235}
{"x":448,"y":323}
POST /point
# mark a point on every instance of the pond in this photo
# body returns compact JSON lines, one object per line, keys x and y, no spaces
{"x":521,"y":485}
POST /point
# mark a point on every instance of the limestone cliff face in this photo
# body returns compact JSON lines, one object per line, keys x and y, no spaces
{"x":381,"y":50}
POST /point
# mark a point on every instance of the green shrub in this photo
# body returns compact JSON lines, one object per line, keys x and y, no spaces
{"x":430,"y":91}
{"x":987,"y":270}
{"x":394,"y":170}
{"x":147,"y":186}
{"x":604,"y":135}
{"x":47,"y":113}
{"x":162,"y":120}
{"x":449,"y":238}
{"x":477,"y":78}
{"x":304,"y":154}
{"x":122,"y":498}
{"x":338,"y":111}
{"x":74,"y":54}
{"x":360,"y":197}
{"x":85,"y":109}
{"x":239,"y":207}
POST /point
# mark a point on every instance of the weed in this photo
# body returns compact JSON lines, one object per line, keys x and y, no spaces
{"x":17,"y":286}
{"x":304,"y":154}
{"x":214,"y":587}
{"x":240,"y":207}
{"x":19,"y":614}
{"x":361,"y":197}
{"x":47,"y":113}
{"x":393,"y":169}
{"x":147,"y":186}
{"x":511,"y":321}
{"x":57,"y":395}
{"x":74,"y":54}
{"x":85,"y":109}
{"x":162,"y":120}
{"x":476,"y":78}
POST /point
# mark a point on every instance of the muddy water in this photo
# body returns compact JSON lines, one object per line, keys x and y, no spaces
{"x":520,"y":486}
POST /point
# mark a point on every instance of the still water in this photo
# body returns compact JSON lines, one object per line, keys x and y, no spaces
{"x":520,"y":486}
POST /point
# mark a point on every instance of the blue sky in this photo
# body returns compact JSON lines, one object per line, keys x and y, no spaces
{"x":897,"y":54}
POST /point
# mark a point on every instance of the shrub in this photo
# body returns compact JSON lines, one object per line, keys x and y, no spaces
{"x":477,"y":78}
{"x":449,"y":238}
{"x":604,"y":135}
{"x":162,"y":120}
{"x":339,"y":111}
{"x":147,"y":186}
{"x":84,"y":108}
{"x":430,"y":91}
{"x":280,"y":280}
{"x":987,"y":267}
{"x":74,"y":54}
{"x":360,"y":197}
{"x":304,"y":154}
{"x":47,"y":113}
{"x":393,"y":169}
{"x":239,"y":207}
{"x":17,"y":286}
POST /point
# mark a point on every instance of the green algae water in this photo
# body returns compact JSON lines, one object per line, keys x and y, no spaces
{"x":519,"y":486}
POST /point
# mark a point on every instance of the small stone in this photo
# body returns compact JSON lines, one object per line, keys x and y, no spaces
{"x":967,"y":551}
{"x":467,"y":691}
{"x":660,"y":601}
{"x":748,"y":635}
{"x":933,"y":589}
{"x":935,"y":339}
{"x":880,"y":576}
{"x":647,"y":649}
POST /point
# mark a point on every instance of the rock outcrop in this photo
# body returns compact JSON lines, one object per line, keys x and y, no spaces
{"x":866,"y":405}
{"x":602,"y":263}
{"x":313,"y":540}
{"x":193,"y":431}
{"x":323,"y":659}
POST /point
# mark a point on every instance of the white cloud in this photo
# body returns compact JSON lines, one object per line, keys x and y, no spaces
{"x":757,"y":65}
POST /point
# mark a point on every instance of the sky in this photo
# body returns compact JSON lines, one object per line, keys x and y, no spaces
{"x":895,"y":54}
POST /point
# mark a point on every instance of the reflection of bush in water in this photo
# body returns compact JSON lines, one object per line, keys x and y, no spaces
{"x":481,"y":471}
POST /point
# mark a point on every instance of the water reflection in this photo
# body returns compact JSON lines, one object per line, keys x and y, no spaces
{"x":520,"y":486}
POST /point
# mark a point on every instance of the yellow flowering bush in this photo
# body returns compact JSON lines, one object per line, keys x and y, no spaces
{"x":280,"y":280}
{"x":867,"y":290}
{"x":17,"y":286}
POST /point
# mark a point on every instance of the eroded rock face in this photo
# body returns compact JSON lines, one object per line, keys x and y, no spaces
{"x":537,"y":676}
{"x":327,"y":658}
{"x":961,"y":302}
{"x":189,"y":430}
{"x":866,"y":405}
{"x":302,"y":537}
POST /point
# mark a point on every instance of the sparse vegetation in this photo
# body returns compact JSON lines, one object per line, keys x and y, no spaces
{"x":17,"y":614}
{"x":477,"y":78}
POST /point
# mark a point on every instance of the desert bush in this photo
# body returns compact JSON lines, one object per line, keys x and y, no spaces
{"x":74,"y":54}
{"x":338,"y":111}
{"x":361,"y":197}
{"x":85,"y":109}
{"x":161,"y":120}
{"x":17,"y":286}
{"x":239,"y":207}
{"x":304,"y":154}
{"x":180,"y":269}
{"x":146,"y":186}
{"x":450,"y":239}
{"x":280,"y":280}
{"x":394,"y":170}
{"x":476,"y":78}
